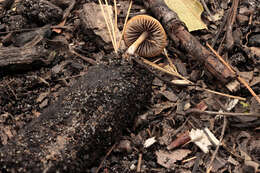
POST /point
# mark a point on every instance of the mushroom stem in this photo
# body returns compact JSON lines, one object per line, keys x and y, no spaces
{"x":131,"y":50}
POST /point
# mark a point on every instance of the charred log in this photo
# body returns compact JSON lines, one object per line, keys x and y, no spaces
{"x":75,"y":132}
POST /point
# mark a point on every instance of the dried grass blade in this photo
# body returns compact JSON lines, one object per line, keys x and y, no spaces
{"x":115,"y":6}
{"x":108,"y":27}
{"x":126,"y":19}
{"x":112,"y":25}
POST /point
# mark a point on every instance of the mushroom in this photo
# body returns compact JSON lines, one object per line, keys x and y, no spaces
{"x":145,"y":36}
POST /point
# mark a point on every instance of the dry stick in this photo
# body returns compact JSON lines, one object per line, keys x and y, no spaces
{"x":219,"y":31}
{"x":231,"y":20}
{"x":249,"y":88}
{"x":108,"y":27}
{"x":254,"y":114}
{"x":138,"y":169}
{"x":239,"y":78}
{"x":127,"y":15}
{"x":176,"y":74}
{"x":112,"y":26}
{"x":221,"y":47}
{"x":65,"y":15}
{"x":217,"y":148}
{"x":232,"y":151}
{"x":68,"y":10}
{"x":89,"y":60}
{"x":223,"y":94}
{"x":108,"y":153}
{"x":189,"y":159}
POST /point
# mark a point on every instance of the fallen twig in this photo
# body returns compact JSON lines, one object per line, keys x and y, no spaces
{"x":217,"y":148}
{"x":230,"y":22}
{"x":255,"y":114}
{"x":108,"y":153}
{"x":138,"y":169}
{"x":89,"y":60}
{"x":238,"y":77}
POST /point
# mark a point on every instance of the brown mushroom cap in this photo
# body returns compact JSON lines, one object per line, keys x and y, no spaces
{"x":155,"y":42}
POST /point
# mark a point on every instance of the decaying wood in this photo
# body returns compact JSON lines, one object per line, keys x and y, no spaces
{"x":184,"y":41}
{"x":18,"y":58}
{"x":75,"y":131}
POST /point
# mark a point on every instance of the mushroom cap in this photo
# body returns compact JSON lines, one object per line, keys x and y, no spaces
{"x":155,"y":42}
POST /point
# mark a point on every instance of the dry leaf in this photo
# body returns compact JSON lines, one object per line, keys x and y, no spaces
{"x":167,"y":159}
{"x":202,"y":106}
{"x":189,"y":12}
{"x":158,"y":108}
{"x":169,"y":95}
{"x":247,"y":75}
{"x":218,"y":164}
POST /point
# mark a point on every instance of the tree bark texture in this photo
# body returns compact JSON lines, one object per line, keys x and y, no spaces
{"x":184,"y":41}
{"x":79,"y":128}
{"x":22,"y":56}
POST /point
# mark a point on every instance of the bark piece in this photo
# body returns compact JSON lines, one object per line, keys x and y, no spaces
{"x":75,"y":132}
{"x":183,"y":40}
{"x":32,"y":37}
{"x":20,"y":58}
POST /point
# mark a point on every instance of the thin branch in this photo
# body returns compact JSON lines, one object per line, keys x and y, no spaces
{"x":220,"y":58}
{"x":217,"y":148}
{"x":254,"y":114}
{"x":223,"y":94}
{"x":89,"y":60}
{"x":108,"y":153}
{"x":138,"y":169}
{"x":239,"y":78}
